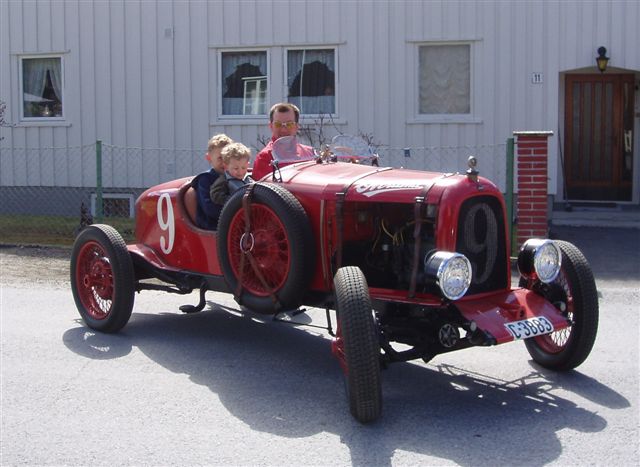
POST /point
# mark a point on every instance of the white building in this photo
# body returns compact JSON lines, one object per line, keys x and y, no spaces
{"x":414,"y":74}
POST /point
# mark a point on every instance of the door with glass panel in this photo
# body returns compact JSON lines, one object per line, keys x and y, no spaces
{"x":598,"y":143}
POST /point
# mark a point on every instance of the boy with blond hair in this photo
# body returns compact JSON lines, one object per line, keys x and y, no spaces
{"x":207,"y":212}
{"x":235,"y":158}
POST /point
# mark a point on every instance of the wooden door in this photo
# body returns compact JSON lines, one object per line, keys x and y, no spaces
{"x":598,"y":143}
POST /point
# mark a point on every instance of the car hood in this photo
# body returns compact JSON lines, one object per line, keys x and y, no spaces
{"x":360,"y":183}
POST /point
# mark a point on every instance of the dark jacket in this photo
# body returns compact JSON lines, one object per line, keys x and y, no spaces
{"x":208,"y":212}
{"x":225,"y":186}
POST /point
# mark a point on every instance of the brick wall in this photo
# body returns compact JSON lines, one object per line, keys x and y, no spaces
{"x":531,"y":170}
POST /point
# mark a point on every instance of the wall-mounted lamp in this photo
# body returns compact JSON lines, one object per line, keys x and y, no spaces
{"x":602,"y":59}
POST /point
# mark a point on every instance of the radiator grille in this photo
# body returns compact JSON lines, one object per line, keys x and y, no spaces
{"x":481,"y":238}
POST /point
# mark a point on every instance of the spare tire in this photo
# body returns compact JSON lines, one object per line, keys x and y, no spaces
{"x":268,"y":267}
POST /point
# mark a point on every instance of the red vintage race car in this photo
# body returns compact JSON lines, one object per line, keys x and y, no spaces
{"x":395,"y":257}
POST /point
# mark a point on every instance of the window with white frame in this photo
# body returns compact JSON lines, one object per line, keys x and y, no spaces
{"x":244,"y":83}
{"x":444,"y":79}
{"x":42,"y":84}
{"x":255,"y":95}
{"x":311,"y":80}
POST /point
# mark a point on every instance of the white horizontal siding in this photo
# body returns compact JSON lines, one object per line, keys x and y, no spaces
{"x":144,"y":74}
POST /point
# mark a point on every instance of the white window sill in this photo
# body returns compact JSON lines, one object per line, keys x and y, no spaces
{"x":429,"y":119}
{"x":264,"y":120}
{"x":45,"y":123}
{"x":240,"y":120}
{"x":327,"y":120}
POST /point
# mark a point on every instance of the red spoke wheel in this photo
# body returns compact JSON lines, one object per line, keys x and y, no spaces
{"x":356,"y":344}
{"x":574,"y":293}
{"x":268,"y":242}
{"x":102,"y":278}
{"x":273,"y":257}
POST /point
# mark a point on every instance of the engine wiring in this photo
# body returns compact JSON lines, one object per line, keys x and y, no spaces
{"x":390,"y":248}
{"x":397,"y":238}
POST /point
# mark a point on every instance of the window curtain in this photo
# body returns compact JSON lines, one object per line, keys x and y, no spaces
{"x":445,"y":79}
{"x":55,"y":73}
{"x":34,"y":74}
{"x":311,"y":80}
{"x":235,"y":66}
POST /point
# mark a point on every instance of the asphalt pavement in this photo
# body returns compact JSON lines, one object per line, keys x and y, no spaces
{"x":613,"y":253}
{"x":223,"y":387}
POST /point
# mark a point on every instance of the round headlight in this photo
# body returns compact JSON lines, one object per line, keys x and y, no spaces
{"x":451,"y":271}
{"x":540,"y":259}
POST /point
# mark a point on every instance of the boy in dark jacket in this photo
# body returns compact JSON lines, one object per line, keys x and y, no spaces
{"x":235,"y":157}
{"x":207,"y":212}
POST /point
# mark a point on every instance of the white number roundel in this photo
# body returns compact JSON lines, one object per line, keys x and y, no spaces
{"x":168,"y":226}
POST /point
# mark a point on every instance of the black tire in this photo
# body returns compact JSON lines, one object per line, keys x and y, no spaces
{"x":575,"y":290}
{"x":282,"y":245}
{"x":357,"y":344}
{"x":102,"y":278}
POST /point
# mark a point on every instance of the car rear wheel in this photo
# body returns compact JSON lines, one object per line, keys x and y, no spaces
{"x":356,"y":344}
{"x":267,"y":253}
{"x":574,"y":293}
{"x":102,"y":278}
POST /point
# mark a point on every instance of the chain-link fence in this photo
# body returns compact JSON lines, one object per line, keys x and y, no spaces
{"x":491,"y":159}
{"x":48,"y":194}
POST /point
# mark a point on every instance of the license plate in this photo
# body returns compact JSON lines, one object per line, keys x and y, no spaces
{"x":530,"y":327}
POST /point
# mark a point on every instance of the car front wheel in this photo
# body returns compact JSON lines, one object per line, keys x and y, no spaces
{"x":574,"y":293}
{"x":356,"y":344}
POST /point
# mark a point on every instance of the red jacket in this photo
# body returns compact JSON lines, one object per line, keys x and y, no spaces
{"x":262,"y":164}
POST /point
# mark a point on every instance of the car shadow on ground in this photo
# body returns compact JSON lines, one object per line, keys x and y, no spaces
{"x":284,"y":381}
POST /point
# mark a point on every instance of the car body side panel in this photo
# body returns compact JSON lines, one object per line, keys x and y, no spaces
{"x":164,"y":226}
